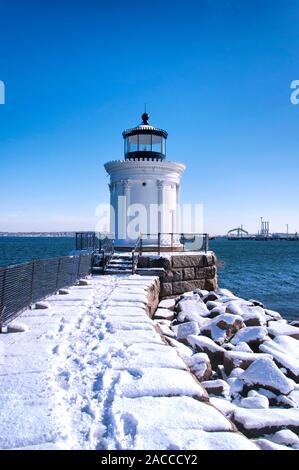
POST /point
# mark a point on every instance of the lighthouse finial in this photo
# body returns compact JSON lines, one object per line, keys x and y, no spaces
{"x":145,"y":116}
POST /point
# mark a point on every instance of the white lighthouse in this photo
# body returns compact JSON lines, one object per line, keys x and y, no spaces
{"x":144,"y":187}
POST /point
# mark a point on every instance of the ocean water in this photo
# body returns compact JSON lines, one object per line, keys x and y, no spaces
{"x":14,"y":250}
{"x":266,"y":271}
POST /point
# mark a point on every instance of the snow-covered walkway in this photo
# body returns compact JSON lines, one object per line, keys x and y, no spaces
{"x":91,"y":372}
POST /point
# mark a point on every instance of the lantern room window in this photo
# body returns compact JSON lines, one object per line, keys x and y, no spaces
{"x":145,"y":141}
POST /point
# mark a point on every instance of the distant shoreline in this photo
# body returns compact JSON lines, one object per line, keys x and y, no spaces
{"x":37,"y":234}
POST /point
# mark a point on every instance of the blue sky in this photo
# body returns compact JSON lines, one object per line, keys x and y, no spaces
{"x":215,"y":74}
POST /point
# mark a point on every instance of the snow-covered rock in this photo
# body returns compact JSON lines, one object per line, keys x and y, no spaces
{"x":256,"y":423}
{"x":223,"y":327}
{"x":200,"y":366}
{"x":257,"y":401}
{"x":285,"y":352}
{"x":266,"y":444}
{"x":277,"y":329}
{"x":242,"y":359}
{"x":43,"y":304}
{"x":272,"y":314}
{"x":64,"y":291}
{"x":264,"y":373}
{"x":217,"y":387}
{"x":183,"y":330}
{"x":167,"y":303}
{"x":285,"y":437}
{"x":190,"y":310}
{"x":208,"y":346}
{"x":252,"y":335}
{"x":254,"y":316}
{"x":243,"y":347}
{"x":183,"y":350}
{"x":164,"y":330}
{"x":164,"y":314}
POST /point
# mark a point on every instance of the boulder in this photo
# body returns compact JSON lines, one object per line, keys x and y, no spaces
{"x":84,"y":282}
{"x":184,"y":351}
{"x":242,"y":359}
{"x":223,"y":327}
{"x":200,"y":292}
{"x":236,"y":372}
{"x":212,"y":304}
{"x":42,"y":305}
{"x":243,"y":347}
{"x":64,"y":291}
{"x":286,"y":437}
{"x":234,"y":308}
{"x":256,"y":303}
{"x":255,"y":423}
{"x":208,"y":346}
{"x":274,"y":315}
{"x":183,"y":330}
{"x":190,"y":310}
{"x":257,"y":402}
{"x":252,"y":335}
{"x":167,"y":303}
{"x":276,"y":329}
{"x":164,"y":314}
{"x":264,"y":373}
{"x":218,"y":388}
{"x":164,"y":330}
{"x":285,"y":352}
{"x":211,"y":296}
{"x":200,"y":366}
{"x":236,"y":388}
{"x":254,"y":316}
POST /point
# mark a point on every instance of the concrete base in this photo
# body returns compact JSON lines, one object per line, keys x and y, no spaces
{"x":182,"y":272}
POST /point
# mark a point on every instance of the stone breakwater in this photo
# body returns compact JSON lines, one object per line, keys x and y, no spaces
{"x":90,"y":371}
{"x":244,"y":355}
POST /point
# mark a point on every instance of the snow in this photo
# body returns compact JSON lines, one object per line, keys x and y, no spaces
{"x":164,"y":313}
{"x":250,"y":334}
{"x":258,"y":422}
{"x":259,"y":401}
{"x":285,"y":351}
{"x":91,"y":372}
{"x":204,"y":343}
{"x":156,"y":383}
{"x":167,"y":303}
{"x":266,"y":444}
{"x":276,"y":328}
{"x":265,"y":374}
{"x":285,"y":437}
{"x":224,"y":405}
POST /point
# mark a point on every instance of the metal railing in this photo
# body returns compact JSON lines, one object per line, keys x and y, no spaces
{"x":175,"y":241}
{"x":136,"y":253}
{"x":21,"y":285}
{"x":87,"y":241}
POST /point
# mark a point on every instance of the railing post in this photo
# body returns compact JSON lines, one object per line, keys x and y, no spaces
{"x":79,"y":266}
{"x":2,"y":308}
{"x":171,"y":238}
{"x":206,"y":242}
{"x":159,"y":241}
{"x":32,"y":282}
{"x":58,"y":272}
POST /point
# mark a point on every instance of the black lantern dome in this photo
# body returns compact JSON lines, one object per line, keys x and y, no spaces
{"x":145,"y":142}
